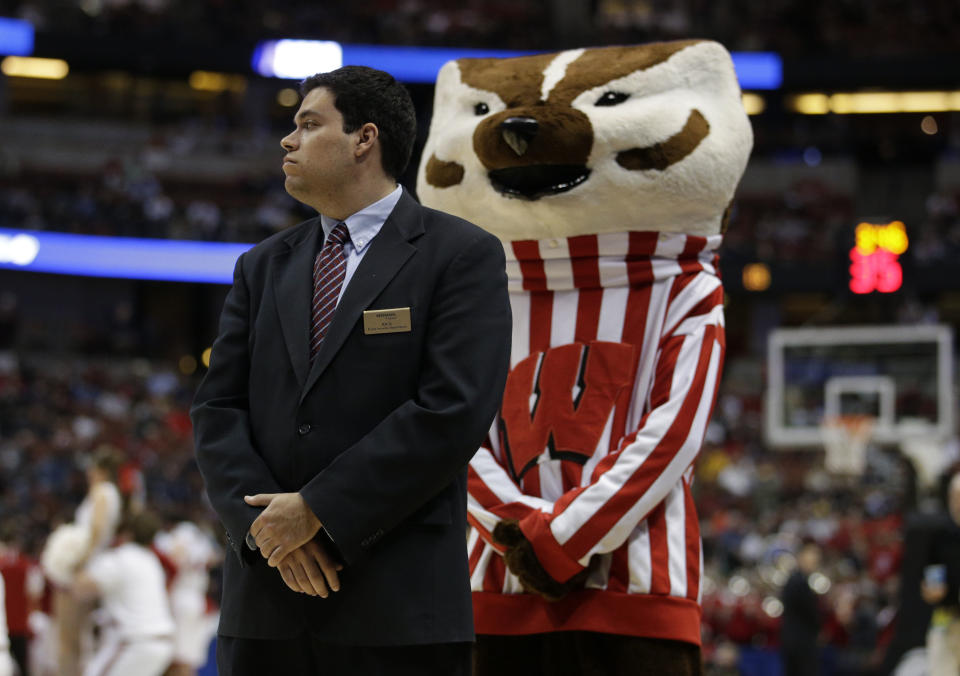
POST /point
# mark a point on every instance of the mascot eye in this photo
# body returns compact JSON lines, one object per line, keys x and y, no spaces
{"x":612,"y":98}
{"x":481,"y":108}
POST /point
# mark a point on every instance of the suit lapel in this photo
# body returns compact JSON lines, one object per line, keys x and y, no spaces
{"x":388,"y":252}
{"x":293,"y":291}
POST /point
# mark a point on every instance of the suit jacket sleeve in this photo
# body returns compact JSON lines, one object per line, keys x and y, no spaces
{"x":421,"y":446}
{"x":226,"y":453}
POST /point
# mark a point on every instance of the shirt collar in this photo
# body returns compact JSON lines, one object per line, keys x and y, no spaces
{"x":364,"y":225}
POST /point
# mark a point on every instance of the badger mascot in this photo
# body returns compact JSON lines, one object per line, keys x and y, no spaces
{"x":607,"y":174}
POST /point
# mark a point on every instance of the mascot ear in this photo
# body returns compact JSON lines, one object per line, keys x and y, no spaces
{"x":523,"y":562}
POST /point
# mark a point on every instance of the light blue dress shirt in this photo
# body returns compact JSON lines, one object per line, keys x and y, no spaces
{"x":363,"y":226}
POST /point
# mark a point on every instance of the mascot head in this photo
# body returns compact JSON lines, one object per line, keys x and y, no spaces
{"x":651,"y":138}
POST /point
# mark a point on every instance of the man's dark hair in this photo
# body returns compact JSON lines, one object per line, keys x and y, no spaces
{"x":362,"y":95}
{"x":141,"y":526}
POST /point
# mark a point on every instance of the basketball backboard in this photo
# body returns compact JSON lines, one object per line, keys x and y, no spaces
{"x":902,"y":376}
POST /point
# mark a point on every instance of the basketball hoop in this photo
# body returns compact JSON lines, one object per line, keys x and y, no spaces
{"x":845,"y":439}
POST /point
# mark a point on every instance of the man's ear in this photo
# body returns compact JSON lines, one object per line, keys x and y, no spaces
{"x":367,"y":135}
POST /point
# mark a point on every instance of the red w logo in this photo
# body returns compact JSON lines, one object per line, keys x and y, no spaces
{"x":559,"y":400}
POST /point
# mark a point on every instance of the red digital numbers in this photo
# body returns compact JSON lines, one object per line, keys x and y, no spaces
{"x":879,"y":271}
{"x":873,"y":261}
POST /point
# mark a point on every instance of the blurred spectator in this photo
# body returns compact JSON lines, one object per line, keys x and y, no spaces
{"x":129,"y":582}
{"x":800,"y":631}
{"x":101,"y":509}
{"x":193,"y":553}
{"x":24,"y":586}
{"x":97,"y":516}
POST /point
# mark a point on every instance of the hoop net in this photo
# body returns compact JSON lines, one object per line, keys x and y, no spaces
{"x":845,"y":439}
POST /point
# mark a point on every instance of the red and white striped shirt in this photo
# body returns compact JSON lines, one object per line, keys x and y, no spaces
{"x":618,"y":344}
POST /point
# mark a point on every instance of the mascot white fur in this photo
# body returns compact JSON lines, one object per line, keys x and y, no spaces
{"x":607,"y":174}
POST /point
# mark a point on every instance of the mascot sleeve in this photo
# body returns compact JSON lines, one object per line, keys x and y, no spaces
{"x":495,"y":496}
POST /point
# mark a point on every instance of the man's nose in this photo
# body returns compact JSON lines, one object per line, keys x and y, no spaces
{"x":288,"y":142}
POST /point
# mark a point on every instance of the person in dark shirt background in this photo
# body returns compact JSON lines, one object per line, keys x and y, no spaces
{"x":800,"y":626}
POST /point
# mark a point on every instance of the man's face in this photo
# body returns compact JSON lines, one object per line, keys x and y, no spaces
{"x":809,"y":558}
{"x":320,"y":156}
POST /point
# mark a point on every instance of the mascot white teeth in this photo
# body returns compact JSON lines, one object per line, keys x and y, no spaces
{"x":607,"y":174}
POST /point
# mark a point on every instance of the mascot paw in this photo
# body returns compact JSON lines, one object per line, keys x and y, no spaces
{"x":522,"y":562}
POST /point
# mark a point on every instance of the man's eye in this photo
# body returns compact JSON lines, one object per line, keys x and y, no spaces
{"x":612,"y":98}
{"x":481,"y":108}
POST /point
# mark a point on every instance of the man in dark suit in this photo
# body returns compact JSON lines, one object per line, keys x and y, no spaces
{"x":360,"y":360}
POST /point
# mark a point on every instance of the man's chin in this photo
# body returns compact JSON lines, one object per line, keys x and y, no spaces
{"x":296,"y":190}
{"x":293,"y":187}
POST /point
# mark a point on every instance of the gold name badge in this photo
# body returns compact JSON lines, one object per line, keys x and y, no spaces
{"x":396,"y":320}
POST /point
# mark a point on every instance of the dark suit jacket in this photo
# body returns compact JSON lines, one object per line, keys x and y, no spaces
{"x":375,"y":435}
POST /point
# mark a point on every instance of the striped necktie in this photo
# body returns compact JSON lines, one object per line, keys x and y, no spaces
{"x":329,"y":270}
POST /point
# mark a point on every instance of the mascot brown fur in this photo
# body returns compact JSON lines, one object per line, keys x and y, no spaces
{"x":607,"y":174}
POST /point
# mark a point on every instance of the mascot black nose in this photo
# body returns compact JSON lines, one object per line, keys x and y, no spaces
{"x":517,"y":132}
{"x":524,"y":127}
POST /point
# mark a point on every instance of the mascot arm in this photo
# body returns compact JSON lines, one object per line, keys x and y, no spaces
{"x":629,"y":483}
{"x":493,"y":496}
